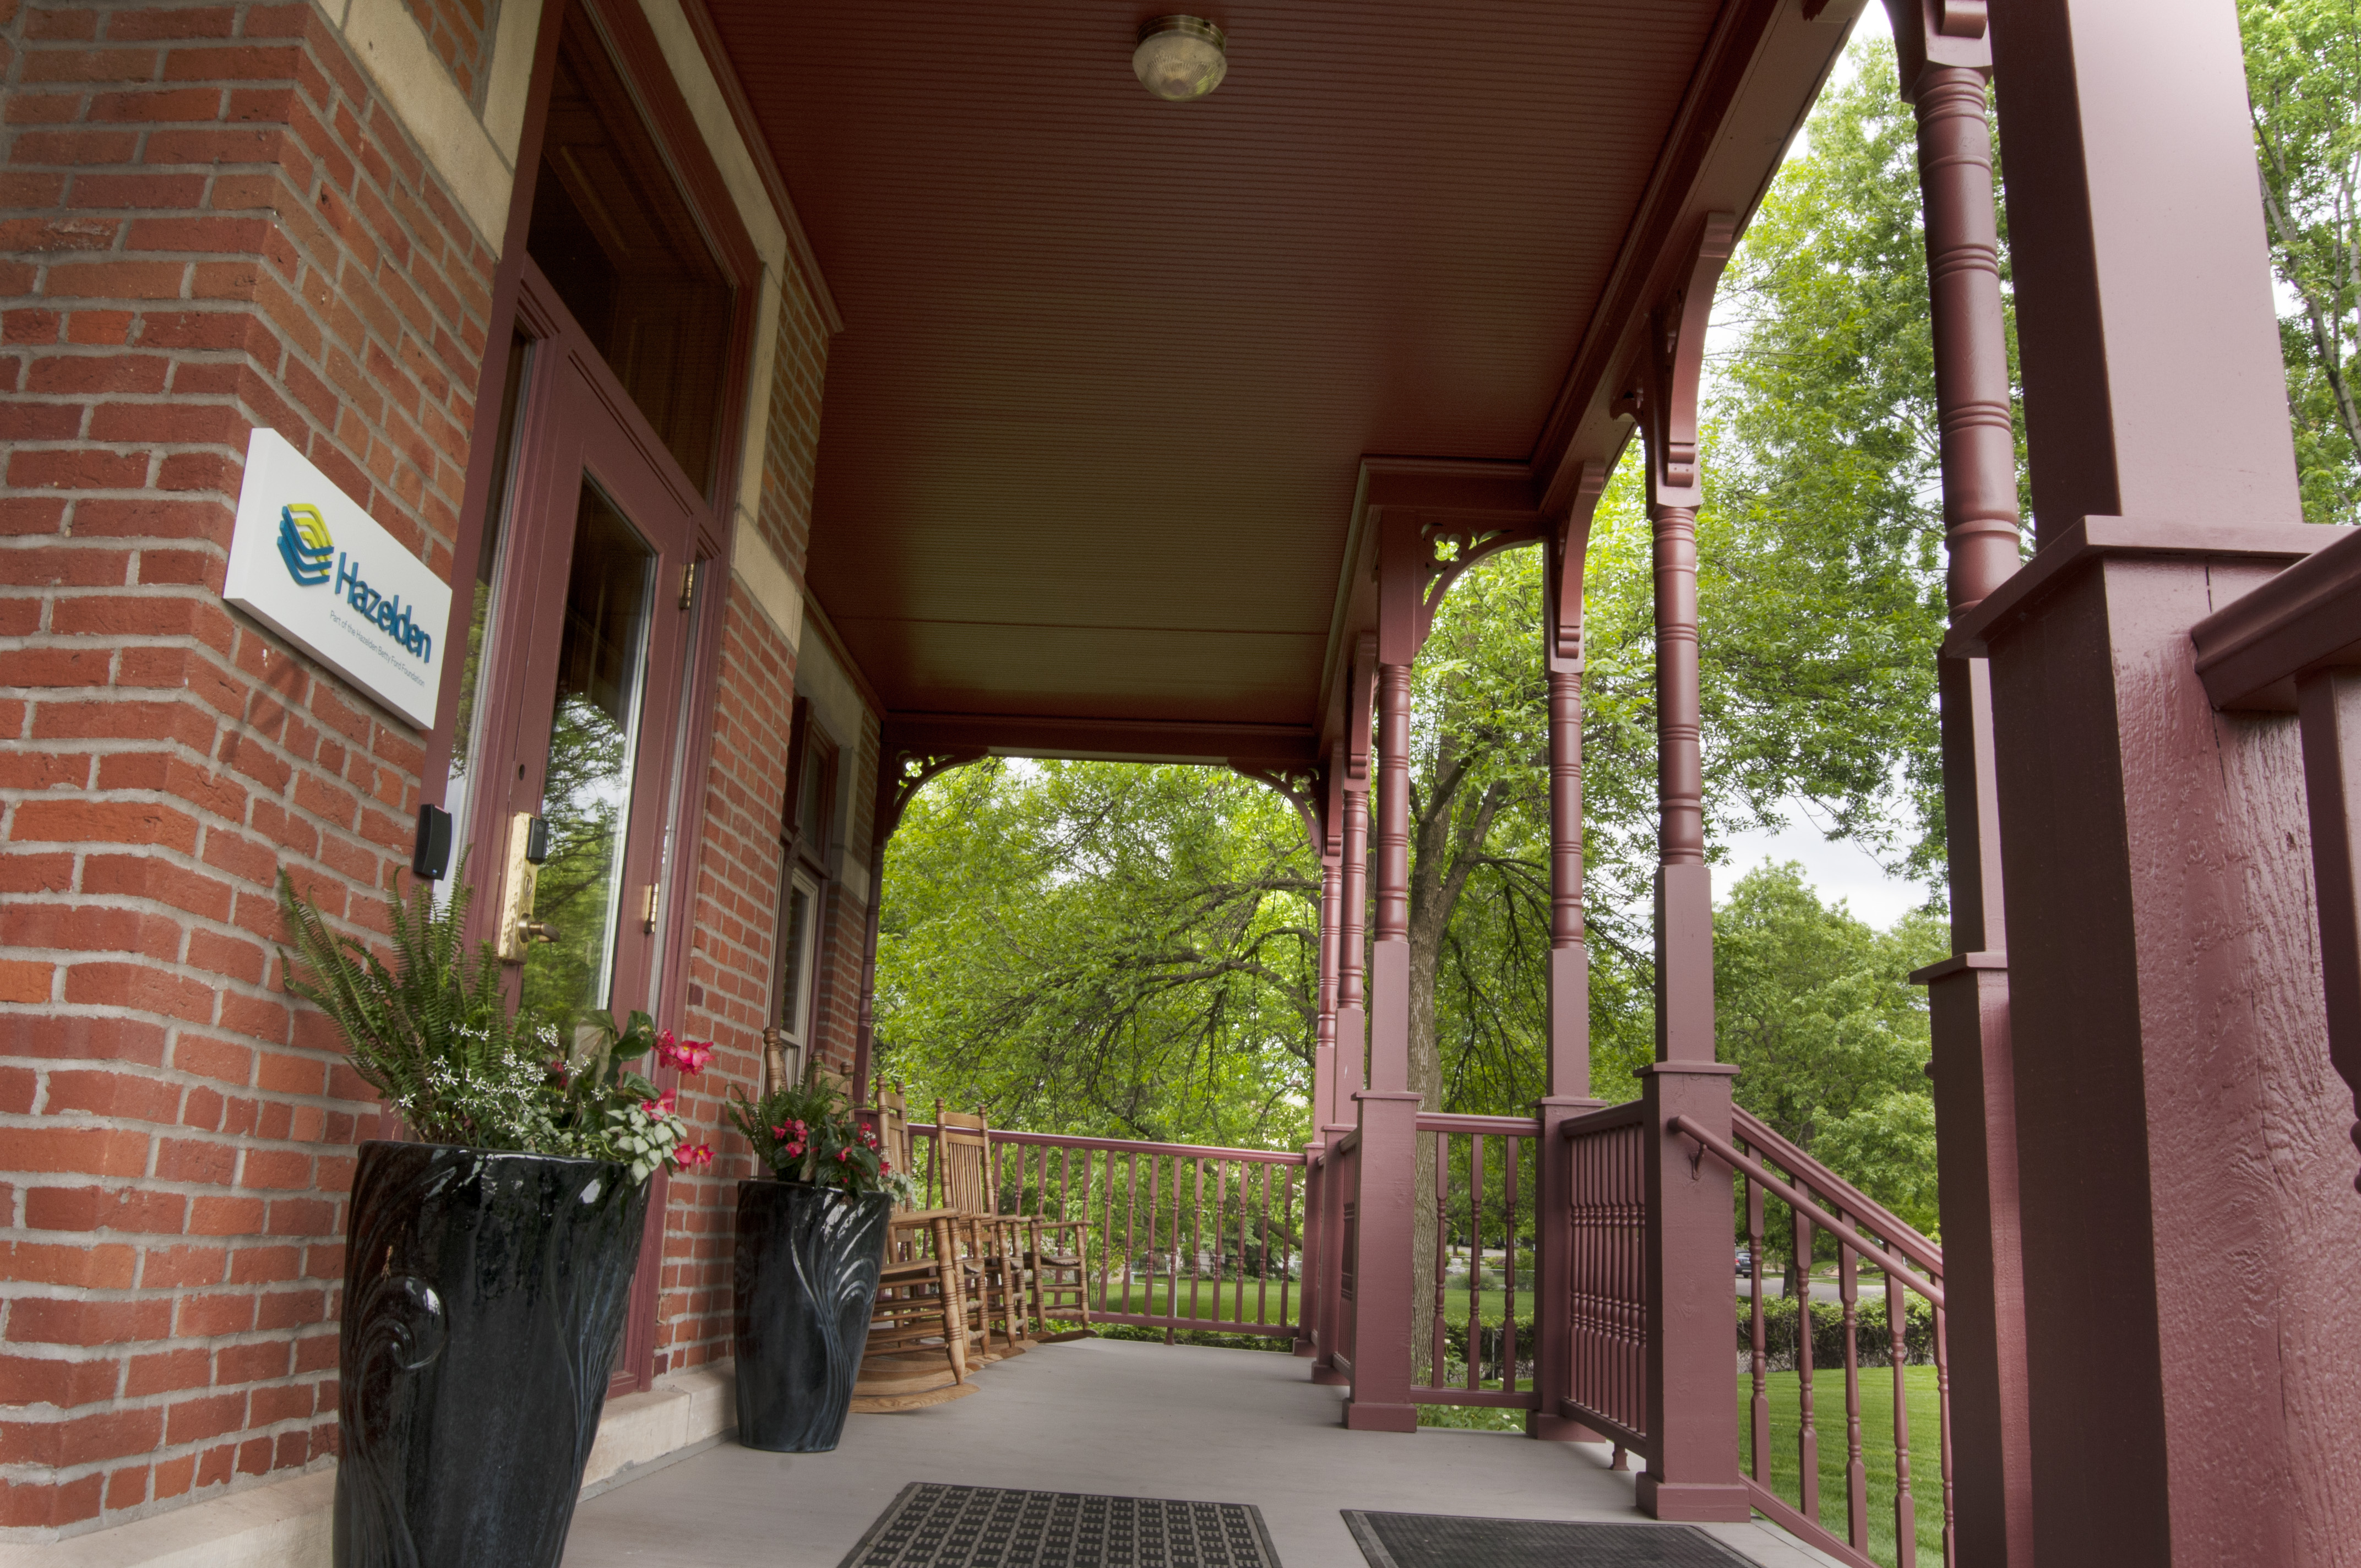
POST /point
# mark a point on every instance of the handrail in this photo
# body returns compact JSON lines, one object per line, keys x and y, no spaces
{"x":1485,"y":1126}
{"x":1623,"y":1116}
{"x":1845,"y":1235}
{"x":1130,"y":1146}
{"x":1920,"y":1249}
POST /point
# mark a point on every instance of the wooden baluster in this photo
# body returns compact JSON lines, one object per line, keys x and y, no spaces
{"x":1175,"y":1292}
{"x":1106,"y":1216}
{"x":1943,"y":1406}
{"x":1760,"y":1425}
{"x":1509,"y":1239}
{"x":1808,"y":1439}
{"x":1856,"y":1472}
{"x":1287,"y":1250}
{"x":1245,"y":1189}
{"x":1437,"y":1342}
{"x":1132,"y":1214}
{"x":1906,"y":1510}
{"x":1221,"y":1210}
{"x":1474,"y":1260}
{"x":1154,"y":1219}
{"x":1197,"y":1237}
{"x":1262,"y":1273}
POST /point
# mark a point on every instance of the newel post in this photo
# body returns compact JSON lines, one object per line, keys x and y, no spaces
{"x":1385,"y":1210}
{"x":1944,"y":60}
{"x":1692,"y":1303}
{"x":1569,"y":1087}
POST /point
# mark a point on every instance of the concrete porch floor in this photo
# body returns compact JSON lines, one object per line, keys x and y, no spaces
{"x":1126,"y":1419}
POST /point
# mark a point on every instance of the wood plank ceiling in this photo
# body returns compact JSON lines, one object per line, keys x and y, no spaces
{"x":1092,"y":431}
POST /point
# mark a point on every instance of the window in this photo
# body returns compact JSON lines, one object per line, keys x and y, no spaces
{"x":806,"y":816}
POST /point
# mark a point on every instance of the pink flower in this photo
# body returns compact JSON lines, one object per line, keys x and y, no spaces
{"x":694,"y":1156}
{"x":844,"y":1154}
{"x":688,"y":1055}
{"x":794,"y":1149}
{"x":885,"y":1168}
{"x":869,"y":1137}
{"x":661,"y":1105}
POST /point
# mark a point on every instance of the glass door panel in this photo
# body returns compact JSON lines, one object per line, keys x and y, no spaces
{"x":593,"y":726}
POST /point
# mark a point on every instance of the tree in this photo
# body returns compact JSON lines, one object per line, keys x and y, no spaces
{"x":1096,"y":948}
{"x":2304,"y":82}
{"x":1830,"y":1039}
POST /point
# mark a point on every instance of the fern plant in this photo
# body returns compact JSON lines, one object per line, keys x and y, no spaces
{"x":434,"y":1035}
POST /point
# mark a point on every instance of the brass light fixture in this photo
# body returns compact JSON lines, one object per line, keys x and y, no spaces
{"x":1179,"y":58}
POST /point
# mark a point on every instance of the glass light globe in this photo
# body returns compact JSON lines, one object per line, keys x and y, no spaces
{"x":1179,"y":58}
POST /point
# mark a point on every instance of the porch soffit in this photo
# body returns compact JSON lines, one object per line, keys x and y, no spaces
{"x":1092,"y":433}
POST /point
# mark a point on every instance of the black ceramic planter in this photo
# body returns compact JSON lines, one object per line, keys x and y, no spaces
{"x":807,"y":1271}
{"x":484,"y":1302}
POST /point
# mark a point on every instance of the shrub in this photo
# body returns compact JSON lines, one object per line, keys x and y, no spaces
{"x":1875,"y":1344}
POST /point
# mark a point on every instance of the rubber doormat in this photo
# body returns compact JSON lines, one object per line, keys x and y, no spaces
{"x":931,"y":1526}
{"x":1441,"y":1540}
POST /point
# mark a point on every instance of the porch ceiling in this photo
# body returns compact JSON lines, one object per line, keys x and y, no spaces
{"x":1092,"y":433}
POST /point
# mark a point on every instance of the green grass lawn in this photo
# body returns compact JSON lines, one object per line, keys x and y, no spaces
{"x":1876,"y":1445}
{"x":1492,"y":1304}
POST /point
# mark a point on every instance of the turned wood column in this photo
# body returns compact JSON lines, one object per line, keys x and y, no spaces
{"x":1691,"y":1456}
{"x":1567,"y":1093}
{"x":1945,"y":60}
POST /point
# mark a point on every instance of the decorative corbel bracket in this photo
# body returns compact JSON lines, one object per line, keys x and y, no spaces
{"x":1937,"y":35}
{"x":1569,"y":541}
{"x":903,"y":775}
{"x":1454,"y":544}
{"x":1662,"y":388}
{"x":1361,"y":719}
{"x":1306,"y":789}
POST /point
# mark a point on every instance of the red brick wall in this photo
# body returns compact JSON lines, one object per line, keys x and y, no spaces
{"x":733,"y":945}
{"x":207,"y":221}
{"x":460,"y":33}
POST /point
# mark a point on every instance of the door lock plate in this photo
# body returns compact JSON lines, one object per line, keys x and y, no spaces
{"x":528,"y":844}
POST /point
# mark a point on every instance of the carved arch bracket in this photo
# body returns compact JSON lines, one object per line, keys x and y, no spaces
{"x":903,"y":774}
{"x":1661,"y":389}
{"x":1454,"y":545}
{"x":1306,"y":789}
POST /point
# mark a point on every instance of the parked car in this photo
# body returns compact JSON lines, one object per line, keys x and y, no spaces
{"x":1745,"y":1262}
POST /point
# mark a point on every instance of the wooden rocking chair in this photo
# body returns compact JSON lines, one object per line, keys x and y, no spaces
{"x":1055,"y":1259}
{"x":997,"y":1244}
{"x":918,"y":1351}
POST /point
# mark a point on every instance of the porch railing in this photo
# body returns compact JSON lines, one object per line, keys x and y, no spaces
{"x":1477,"y":1203}
{"x":1865,"y":1234}
{"x":1181,"y":1237}
{"x":1607,"y":1299}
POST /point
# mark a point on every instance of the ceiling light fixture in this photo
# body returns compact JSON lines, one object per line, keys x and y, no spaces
{"x":1179,"y":58}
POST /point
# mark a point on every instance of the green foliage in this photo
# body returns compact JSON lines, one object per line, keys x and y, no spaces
{"x":806,"y":1131}
{"x":433,"y":1036}
{"x":1104,"y":950}
{"x":2303,"y":80}
{"x":1831,"y":1040}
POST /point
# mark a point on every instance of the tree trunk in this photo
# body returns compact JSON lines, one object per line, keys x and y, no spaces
{"x":1445,"y":848}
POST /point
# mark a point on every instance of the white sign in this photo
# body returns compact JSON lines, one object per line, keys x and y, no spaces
{"x":308,"y":563}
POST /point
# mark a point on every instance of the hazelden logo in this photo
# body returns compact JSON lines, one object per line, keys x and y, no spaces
{"x":312,"y":557}
{"x":304,"y":545}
